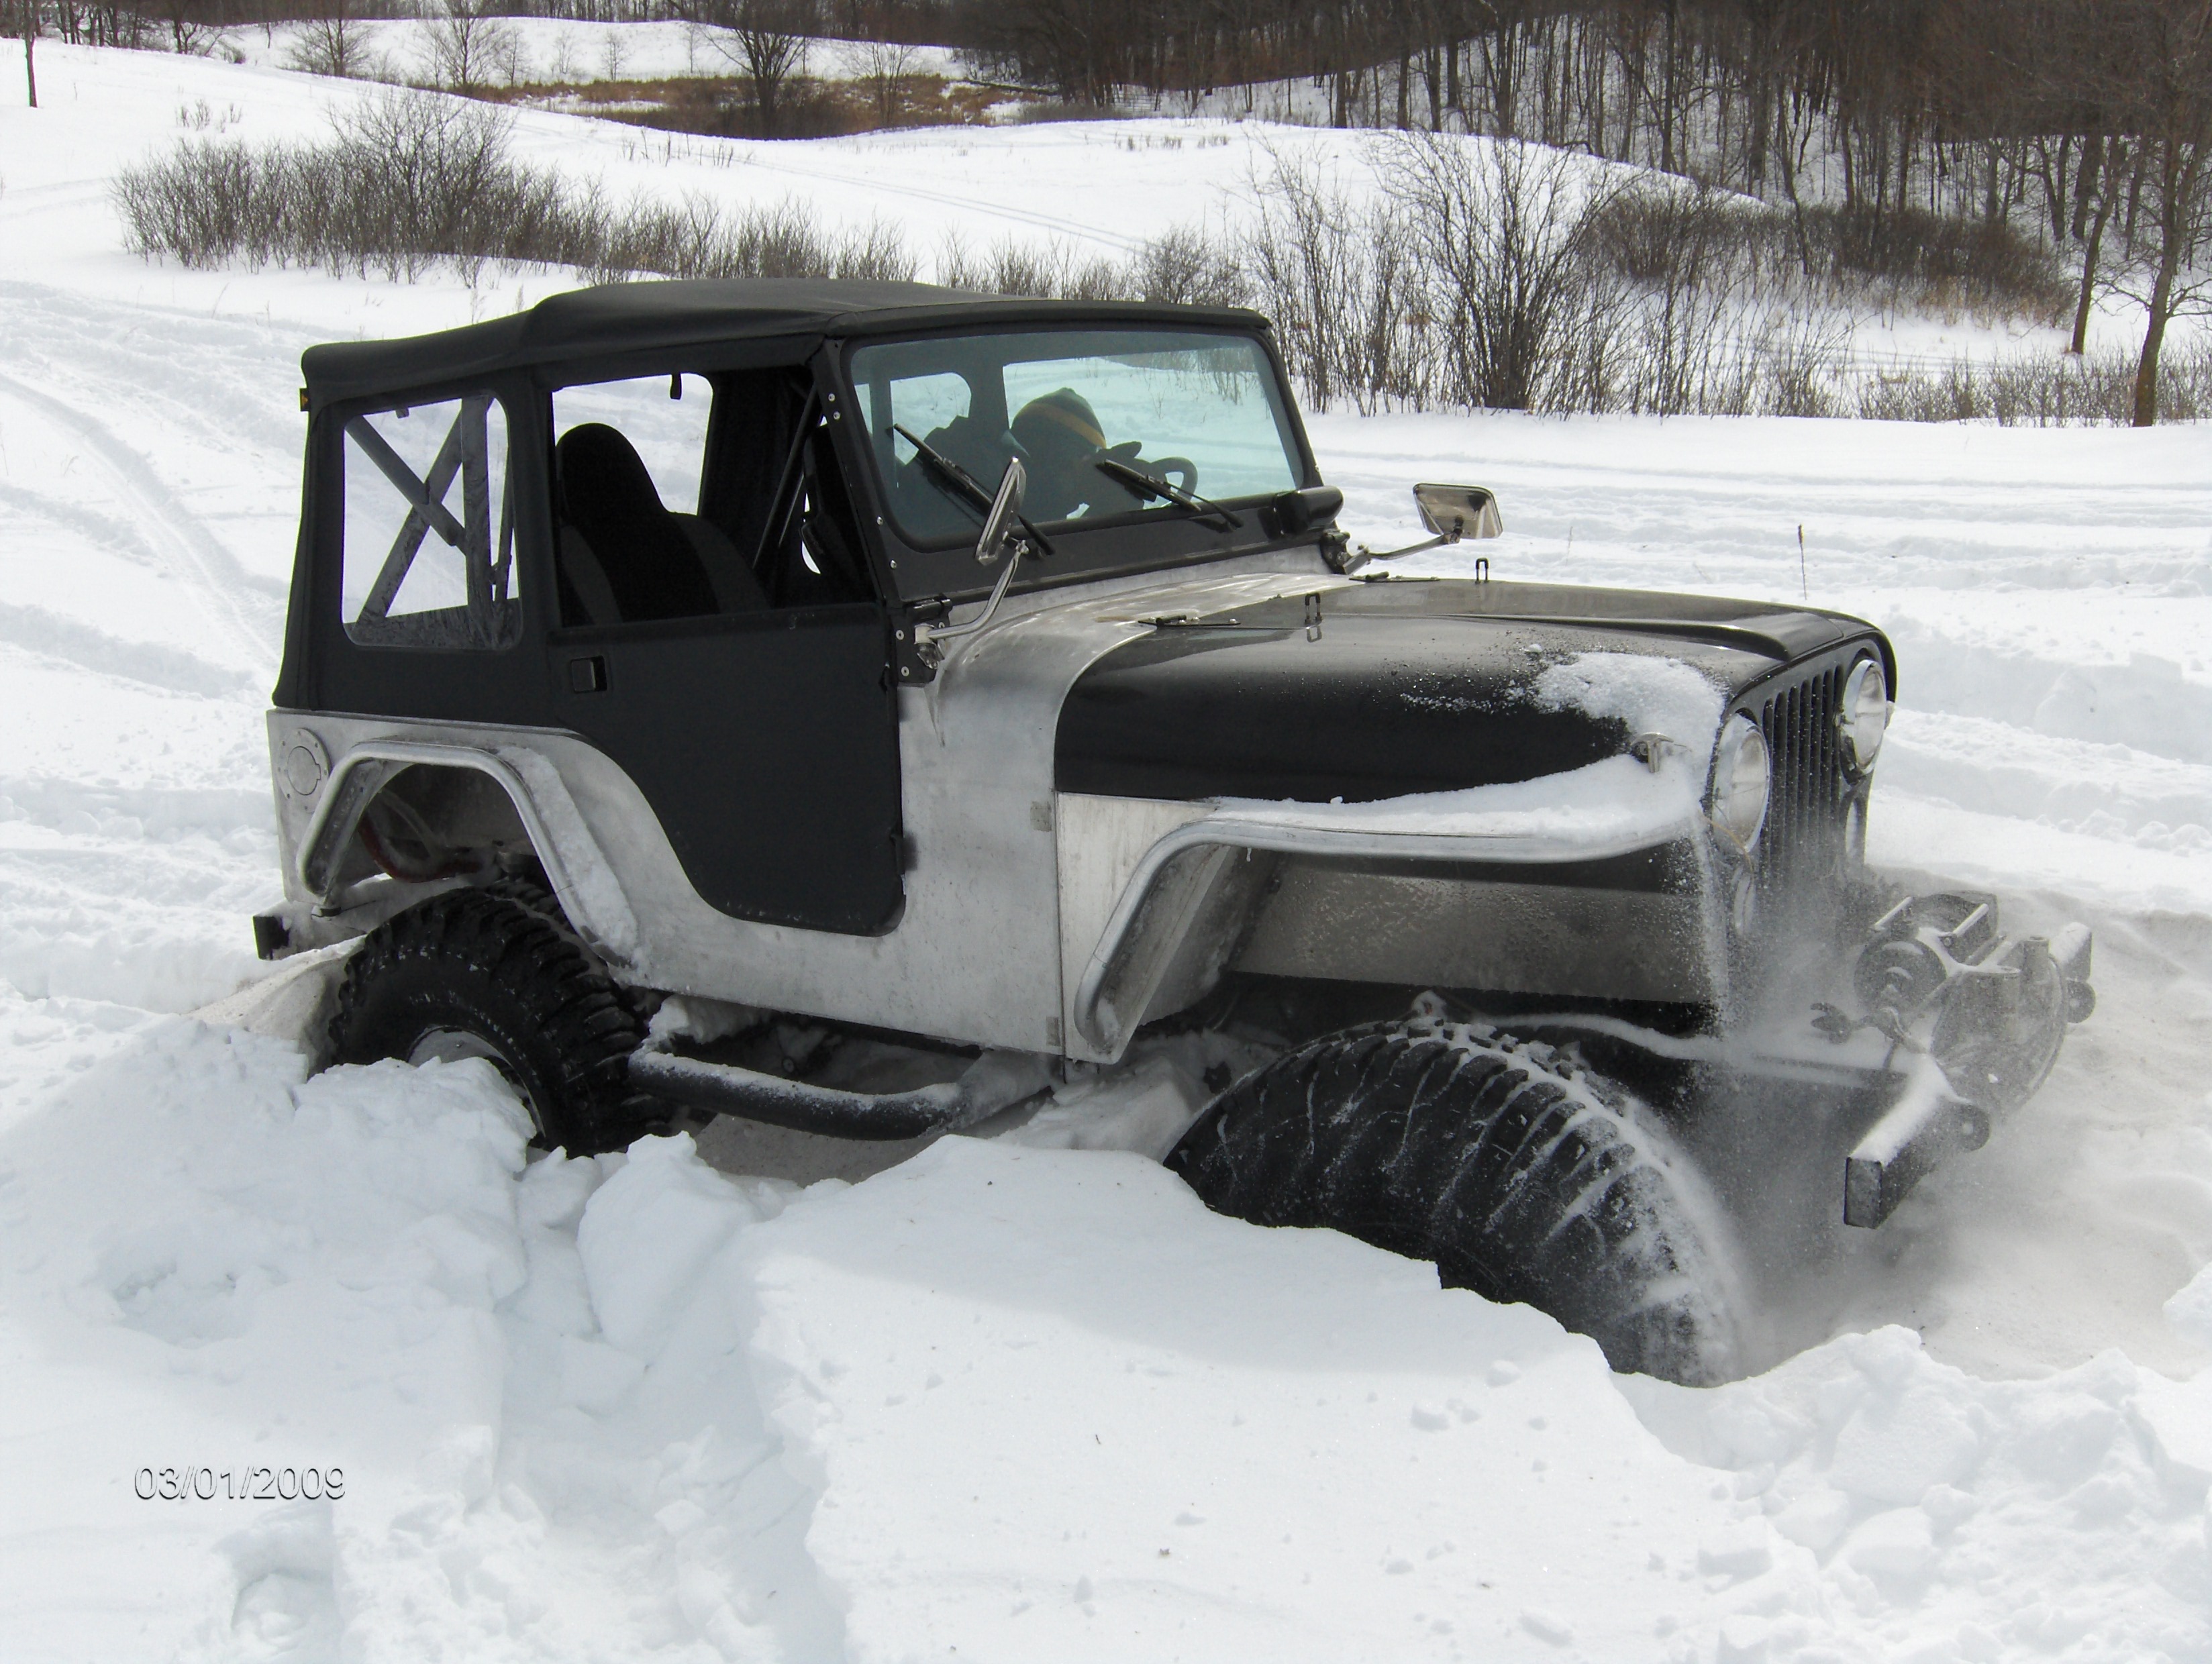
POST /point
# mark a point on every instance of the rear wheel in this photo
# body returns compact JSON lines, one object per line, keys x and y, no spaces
{"x":469,"y":973}
{"x":1521,"y":1174}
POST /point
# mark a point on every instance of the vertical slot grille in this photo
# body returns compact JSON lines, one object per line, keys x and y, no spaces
{"x":1803,"y":840}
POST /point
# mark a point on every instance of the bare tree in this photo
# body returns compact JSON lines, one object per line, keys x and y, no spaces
{"x":766,"y":40}
{"x":2100,"y":195}
{"x":192,"y":23}
{"x":30,"y":45}
{"x":1506,"y":235}
{"x":2176,"y":60}
{"x":467,"y":43}
{"x":331,"y":42}
{"x":887,"y":65}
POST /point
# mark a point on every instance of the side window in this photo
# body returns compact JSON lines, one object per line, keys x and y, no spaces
{"x":664,"y":418}
{"x":630,"y":460}
{"x":429,"y":527}
{"x":686,"y":496}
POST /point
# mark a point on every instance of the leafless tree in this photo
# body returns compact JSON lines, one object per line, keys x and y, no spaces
{"x":1504,"y":231}
{"x":2099,"y":194}
{"x":2170,"y":44}
{"x":887,"y":65}
{"x":30,"y":24}
{"x":468,"y":41}
{"x":331,"y":42}
{"x":766,"y":40}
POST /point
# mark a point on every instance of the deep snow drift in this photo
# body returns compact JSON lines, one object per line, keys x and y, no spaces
{"x":1015,"y":1400}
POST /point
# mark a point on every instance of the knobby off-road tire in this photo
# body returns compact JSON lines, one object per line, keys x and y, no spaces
{"x":1522,"y":1176}
{"x":472,"y":973}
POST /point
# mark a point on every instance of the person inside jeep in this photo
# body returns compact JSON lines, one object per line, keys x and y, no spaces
{"x":1059,"y":433}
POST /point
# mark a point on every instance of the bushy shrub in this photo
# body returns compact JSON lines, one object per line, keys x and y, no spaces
{"x":1500,"y":275}
{"x":410,"y":181}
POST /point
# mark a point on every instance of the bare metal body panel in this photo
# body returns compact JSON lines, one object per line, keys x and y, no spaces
{"x":1034,"y":921}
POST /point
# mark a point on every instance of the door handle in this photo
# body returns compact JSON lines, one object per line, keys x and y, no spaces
{"x":588,"y":675}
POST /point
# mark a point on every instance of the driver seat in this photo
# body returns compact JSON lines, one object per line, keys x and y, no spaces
{"x":619,"y":544}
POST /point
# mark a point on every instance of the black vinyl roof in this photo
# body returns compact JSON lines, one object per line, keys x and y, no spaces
{"x":618,"y":319}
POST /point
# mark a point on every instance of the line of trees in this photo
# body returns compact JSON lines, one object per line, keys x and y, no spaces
{"x":2090,"y":118}
{"x":2089,"y":121}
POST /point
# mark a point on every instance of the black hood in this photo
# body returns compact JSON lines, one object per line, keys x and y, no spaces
{"x":1405,"y":686}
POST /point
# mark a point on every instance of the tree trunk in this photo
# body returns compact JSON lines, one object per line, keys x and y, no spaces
{"x":2170,"y":211}
{"x":2092,"y":154}
{"x":2162,"y":299}
{"x":2180,"y":203}
{"x":1784,"y":155}
{"x":2051,"y":175}
{"x":2090,"y":251}
{"x":1754,"y":151}
{"x":30,"y":42}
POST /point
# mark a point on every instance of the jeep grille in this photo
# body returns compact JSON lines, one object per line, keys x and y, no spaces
{"x":1810,"y":799}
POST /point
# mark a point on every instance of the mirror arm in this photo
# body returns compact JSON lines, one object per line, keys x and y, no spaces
{"x":929,"y":640}
{"x":1361,"y":555}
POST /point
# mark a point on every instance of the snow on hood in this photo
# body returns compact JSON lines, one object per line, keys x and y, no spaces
{"x":1651,"y":695}
{"x":1615,"y":805}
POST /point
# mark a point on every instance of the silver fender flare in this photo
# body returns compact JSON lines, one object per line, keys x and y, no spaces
{"x":583,"y":880}
{"x":1169,"y":886}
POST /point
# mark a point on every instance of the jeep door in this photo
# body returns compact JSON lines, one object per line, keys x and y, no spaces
{"x":721,"y":638}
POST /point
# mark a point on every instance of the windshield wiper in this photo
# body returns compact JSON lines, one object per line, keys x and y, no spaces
{"x":962,"y":486}
{"x":1146,"y":485}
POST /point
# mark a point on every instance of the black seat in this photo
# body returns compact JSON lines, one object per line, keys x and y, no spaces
{"x":648,"y":566}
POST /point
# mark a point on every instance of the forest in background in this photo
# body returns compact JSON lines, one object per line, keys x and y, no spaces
{"x":1896,"y":136}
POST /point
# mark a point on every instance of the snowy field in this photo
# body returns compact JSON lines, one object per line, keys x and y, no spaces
{"x":565,"y":51}
{"x":1009,"y":1401}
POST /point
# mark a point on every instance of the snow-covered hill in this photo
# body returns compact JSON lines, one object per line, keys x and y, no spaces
{"x":1006,"y":1401}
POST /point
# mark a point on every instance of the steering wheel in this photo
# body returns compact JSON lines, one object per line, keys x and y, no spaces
{"x":1181,"y":470}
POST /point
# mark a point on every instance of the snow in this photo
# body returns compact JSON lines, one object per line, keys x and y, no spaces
{"x":638,"y":1407}
{"x":1609,"y":806}
{"x":554,"y":49}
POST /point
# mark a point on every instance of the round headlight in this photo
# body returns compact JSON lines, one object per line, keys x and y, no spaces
{"x":1741,"y":780}
{"x":1865,"y":715}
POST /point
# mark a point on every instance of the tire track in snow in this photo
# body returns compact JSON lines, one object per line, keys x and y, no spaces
{"x":64,"y":642}
{"x":1080,"y":230}
{"x":219,"y":584}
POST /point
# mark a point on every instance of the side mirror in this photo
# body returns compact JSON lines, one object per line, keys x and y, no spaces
{"x":1454,"y":512}
{"x":1001,"y":540}
{"x":1005,"y":513}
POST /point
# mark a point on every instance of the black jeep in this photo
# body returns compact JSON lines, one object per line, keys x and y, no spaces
{"x":982,"y":687}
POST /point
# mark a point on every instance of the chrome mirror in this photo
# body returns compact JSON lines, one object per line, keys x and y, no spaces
{"x":1002,"y":539}
{"x":1454,"y":512}
{"x":1450,"y":512}
{"x":1005,"y":514}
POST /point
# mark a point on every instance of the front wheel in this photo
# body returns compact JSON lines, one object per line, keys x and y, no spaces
{"x":1520,"y":1174}
{"x":469,"y":973}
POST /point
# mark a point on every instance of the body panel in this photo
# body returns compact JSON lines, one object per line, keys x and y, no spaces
{"x":767,"y":745}
{"x":1385,"y":689}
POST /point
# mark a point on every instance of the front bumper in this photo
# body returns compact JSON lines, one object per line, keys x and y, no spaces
{"x":1952,"y":1026}
{"x":1974,"y":1021}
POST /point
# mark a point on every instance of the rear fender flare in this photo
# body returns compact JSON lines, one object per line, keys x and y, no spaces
{"x":583,"y":880}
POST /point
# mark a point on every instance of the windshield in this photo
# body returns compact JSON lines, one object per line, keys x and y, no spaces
{"x":1125,"y":426}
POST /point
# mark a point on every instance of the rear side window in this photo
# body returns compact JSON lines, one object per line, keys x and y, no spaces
{"x":429,"y":527}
